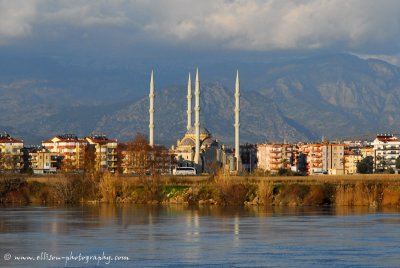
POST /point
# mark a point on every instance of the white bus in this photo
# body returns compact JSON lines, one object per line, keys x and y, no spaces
{"x":184,"y":171}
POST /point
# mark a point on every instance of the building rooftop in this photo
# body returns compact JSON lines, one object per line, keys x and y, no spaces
{"x":5,"y":138}
{"x":192,"y":131}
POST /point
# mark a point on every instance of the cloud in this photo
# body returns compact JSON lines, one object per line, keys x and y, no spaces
{"x":276,"y":24}
{"x":364,"y":26}
{"x":16,"y":19}
{"x":392,"y":59}
{"x":83,"y":13}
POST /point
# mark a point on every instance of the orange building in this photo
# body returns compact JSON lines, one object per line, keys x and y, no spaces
{"x":10,"y":153}
{"x":70,"y":149}
{"x":273,"y":157}
{"x":104,"y":152}
{"x":367,"y":151}
{"x":313,"y":151}
{"x":43,"y":161}
{"x":324,"y":158}
{"x":351,"y":159}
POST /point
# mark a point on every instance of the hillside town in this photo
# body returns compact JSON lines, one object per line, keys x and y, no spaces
{"x":198,"y":152}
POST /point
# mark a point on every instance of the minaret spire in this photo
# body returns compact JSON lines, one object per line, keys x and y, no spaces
{"x":237,"y":121}
{"x":151,"y":111}
{"x":189,"y":104}
{"x":197,"y":118}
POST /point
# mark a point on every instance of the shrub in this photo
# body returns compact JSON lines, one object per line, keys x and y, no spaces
{"x":152,"y":188}
{"x":230,"y":192}
{"x":108,"y":187}
{"x":319,"y":195}
{"x":265,"y":192}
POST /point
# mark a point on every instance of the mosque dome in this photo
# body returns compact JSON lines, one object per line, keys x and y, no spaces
{"x":187,"y":142}
{"x":209,"y":142}
{"x":203,"y":131}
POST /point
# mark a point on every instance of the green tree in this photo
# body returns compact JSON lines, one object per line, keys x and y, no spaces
{"x":398,"y":163}
{"x":302,"y":164}
{"x":366,"y":165}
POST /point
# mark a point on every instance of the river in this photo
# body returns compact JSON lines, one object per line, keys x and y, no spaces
{"x":180,"y":236}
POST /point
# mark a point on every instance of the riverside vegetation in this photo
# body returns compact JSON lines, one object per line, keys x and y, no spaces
{"x":220,"y":189}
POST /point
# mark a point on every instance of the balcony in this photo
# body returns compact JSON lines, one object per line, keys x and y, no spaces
{"x":316,"y":165}
{"x":316,"y":160}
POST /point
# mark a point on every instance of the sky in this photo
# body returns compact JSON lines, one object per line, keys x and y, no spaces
{"x":145,"y":27}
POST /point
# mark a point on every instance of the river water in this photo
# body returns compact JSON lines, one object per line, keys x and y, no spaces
{"x":180,"y":236}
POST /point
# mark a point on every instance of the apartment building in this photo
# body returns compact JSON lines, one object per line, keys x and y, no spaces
{"x":70,"y":149}
{"x":367,"y":151}
{"x":314,"y":154}
{"x":324,"y":158}
{"x":248,"y":157}
{"x":386,"y":151}
{"x":351,"y":160}
{"x":103,"y":152}
{"x":273,"y":157}
{"x":10,"y":153}
{"x":333,"y":161}
{"x":43,"y":161}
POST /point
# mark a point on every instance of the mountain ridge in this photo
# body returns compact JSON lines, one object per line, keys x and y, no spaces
{"x":300,"y":100}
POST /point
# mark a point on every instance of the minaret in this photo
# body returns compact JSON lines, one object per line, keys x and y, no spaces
{"x":197,"y":118}
{"x":151,"y":111}
{"x":189,"y":104}
{"x":237,"y":121}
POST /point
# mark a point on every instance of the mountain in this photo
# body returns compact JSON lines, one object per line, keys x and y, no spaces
{"x":337,"y":95}
{"x":297,"y":99}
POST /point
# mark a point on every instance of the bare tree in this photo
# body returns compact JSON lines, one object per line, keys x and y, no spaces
{"x":9,"y":162}
{"x":138,"y":159}
{"x":90,"y":159}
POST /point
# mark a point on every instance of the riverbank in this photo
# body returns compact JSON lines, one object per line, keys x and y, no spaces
{"x":375,"y":190}
{"x":204,"y":178}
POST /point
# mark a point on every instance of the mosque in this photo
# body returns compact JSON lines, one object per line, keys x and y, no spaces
{"x":198,"y":148}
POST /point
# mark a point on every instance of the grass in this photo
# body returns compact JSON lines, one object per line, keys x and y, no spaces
{"x":375,"y":190}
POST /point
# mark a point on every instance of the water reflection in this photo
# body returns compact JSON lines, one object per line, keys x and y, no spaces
{"x":177,"y":235}
{"x":65,"y":220}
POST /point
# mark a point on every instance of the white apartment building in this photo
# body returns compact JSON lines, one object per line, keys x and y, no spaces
{"x":386,"y":151}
